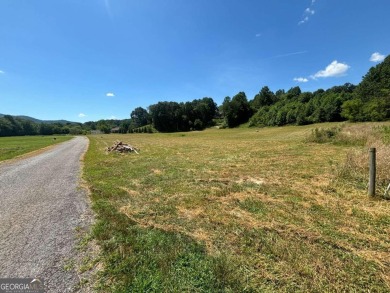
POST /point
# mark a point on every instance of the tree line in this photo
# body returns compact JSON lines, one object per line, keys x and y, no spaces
{"x":14,"y":126}
{"x":368,"y":101}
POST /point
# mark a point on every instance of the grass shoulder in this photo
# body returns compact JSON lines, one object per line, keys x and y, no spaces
{"x":11,"y":147}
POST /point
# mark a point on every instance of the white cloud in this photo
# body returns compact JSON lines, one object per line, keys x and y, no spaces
{"x":108,"y":8}
{"x":310,"y":11}
{"x":332,"y":70}
{"x":307,"y":13}
{"x":301,"y":79}
{"x":112,"y":117}
{"x":377,"y":57}
{"x":110,"y":95}
{"x":82,"y":115}
{"x":306,"y":19}
{"x":258,"y":35}
{"x":2,"y":72}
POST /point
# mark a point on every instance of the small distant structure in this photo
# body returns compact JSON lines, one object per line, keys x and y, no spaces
{"x":96,"y":132}
{"x":115,"y":130}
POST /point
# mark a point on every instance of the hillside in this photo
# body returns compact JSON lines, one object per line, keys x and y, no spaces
{"x":25,"y":125}
{"x":371,"y":101}
{"x":368,"y":101}
{"x":35,"y":120}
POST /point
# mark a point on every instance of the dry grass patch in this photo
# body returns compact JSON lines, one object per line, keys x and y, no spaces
{"x":267,"y":200}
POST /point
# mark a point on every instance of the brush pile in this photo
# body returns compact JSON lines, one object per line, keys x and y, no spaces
{"x":121,"y":147}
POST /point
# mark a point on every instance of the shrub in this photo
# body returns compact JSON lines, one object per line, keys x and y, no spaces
{"x":322,"y":135}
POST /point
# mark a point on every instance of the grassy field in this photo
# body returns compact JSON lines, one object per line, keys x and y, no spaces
{"x":11,"y":147}
{"x":240,"y":210}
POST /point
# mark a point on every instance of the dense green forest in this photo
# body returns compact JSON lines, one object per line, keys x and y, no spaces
{"x":17,"y":126}
{"x":368,"y":101}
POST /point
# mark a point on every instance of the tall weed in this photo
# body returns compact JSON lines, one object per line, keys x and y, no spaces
{"x":355,"y":168}
{"x":385,"y":131}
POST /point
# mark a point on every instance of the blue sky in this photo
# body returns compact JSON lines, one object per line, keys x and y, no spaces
{"x":99,"y":59}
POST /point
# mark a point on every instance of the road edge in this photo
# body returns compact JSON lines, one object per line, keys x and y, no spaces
{"x":87,"y":251}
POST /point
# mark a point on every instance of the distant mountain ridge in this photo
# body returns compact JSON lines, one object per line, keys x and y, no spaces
{"x":35,"y":120}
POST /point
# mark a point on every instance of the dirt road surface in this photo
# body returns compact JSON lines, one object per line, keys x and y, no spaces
{"x":41,"y":207}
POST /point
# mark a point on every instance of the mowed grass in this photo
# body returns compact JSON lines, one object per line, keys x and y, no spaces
{"x":240,"y":210}
{"x":11,"y":147}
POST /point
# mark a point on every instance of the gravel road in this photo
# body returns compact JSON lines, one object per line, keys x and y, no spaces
{"x":41,"y":206}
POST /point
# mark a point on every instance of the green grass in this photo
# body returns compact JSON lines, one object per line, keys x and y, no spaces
{"x":11,"y":147}
{"x":385,"y":130}
{"x":234,"y":210}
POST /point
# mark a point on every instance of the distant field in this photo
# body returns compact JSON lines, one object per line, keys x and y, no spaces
{"x":11,"y":147}
{"x":241,"y":210}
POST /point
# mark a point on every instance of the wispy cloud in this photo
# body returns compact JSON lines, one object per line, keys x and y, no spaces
{"x":2,"y":72}
{"x":377,"y":57}
{"x":301,"y":79}
{"x":258,"y":35}
{"x":82,"y":115}
{"x":305,"y":19}
{"x":334,"y":69}
{"x":309,"y":11}
{"x":108,"y":8}
{"x":110,"y":94}
{"x":112,"y":117}
{"x":288,"y":54}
